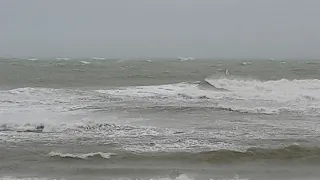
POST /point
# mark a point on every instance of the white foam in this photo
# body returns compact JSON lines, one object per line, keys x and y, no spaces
{"x":24,"y":109}
{"x":32,"y":59}
{"x":242,"y":95}
{"x":65,"y":112}
{"x":57,"y":109}
{"x":186,"y":59}
{"x":62,"y":59}
{"x":147,"y":91}
{"x":84,"y":62}
{"x":47,"y":122}
{"x":268,"y":96}
{"x":81,"y":155}
{"x":98,"y":58}
{"x":246,"y":63}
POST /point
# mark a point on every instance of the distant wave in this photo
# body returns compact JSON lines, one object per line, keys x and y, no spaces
{"x":246,"y":63}
{"x":186,"y":58}
{"x":308,"y":62}
{"x":98,"y":58}
{"x":81,"y":155}
{"x":62,"y":59}
{"x":84,"y":62}
{"x":32,"y":59}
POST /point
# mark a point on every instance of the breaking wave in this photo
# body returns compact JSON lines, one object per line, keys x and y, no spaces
{"x":269,"y":96}
{"x":249,"y":96}
{"x":81,"y":155}
{"x":231,"y":94}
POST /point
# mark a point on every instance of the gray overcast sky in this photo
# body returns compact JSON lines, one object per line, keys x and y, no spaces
{"x":160,"y":28}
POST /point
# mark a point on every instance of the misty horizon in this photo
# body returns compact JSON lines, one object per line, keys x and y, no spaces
{"x":204,"y":29}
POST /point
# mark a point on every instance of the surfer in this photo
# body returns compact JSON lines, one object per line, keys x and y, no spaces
{"x":226,"y":72}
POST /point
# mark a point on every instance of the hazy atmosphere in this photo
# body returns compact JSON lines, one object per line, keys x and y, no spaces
{"x":159,"y":90}
{"x":166,"y":28}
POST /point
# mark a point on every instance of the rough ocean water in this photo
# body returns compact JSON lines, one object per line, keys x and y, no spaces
{"x":159,"y":119}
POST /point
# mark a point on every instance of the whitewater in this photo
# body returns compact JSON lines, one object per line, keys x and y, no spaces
{"x":159,"y":119}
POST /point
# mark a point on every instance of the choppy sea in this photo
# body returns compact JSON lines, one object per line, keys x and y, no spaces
{"x":99,"y":119}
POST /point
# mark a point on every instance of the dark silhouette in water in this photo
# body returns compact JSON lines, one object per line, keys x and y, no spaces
{"x":38,"y":129}
{"x":206,"y":85}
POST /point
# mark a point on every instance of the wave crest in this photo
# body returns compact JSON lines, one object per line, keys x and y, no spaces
{"x":81,"y":155}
